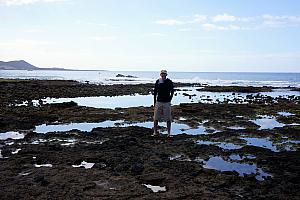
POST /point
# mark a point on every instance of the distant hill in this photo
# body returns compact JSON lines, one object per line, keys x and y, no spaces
{"x":17,"y":65}
{"x":22,"y":65}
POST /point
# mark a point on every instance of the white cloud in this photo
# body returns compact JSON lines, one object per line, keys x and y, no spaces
{"x":95,"y":24}
{"x":211,"y":27}
{"x":33,"y":30}
{"x":231,"y":23}
{"x":224,"y":18}
{"x":185,"y":29}
{"x":280,"y":21}
{"x":199,"y":19}
{"x":170,"y":22}
{"x":103,"y":38}
{"x":155,"y":34}
{"x":25,"y":2}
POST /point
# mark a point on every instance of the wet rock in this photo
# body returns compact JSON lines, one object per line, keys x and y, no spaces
{"x":41,"y":179}
{"x":152,"y":178}
{"x":137,"y":168}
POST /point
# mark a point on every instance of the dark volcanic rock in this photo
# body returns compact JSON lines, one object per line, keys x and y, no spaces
{"x":127,"y":158}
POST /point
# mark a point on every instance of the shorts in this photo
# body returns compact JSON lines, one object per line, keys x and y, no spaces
{"x":162,"y":111}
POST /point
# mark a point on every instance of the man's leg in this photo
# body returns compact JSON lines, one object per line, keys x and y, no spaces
{"x":169,"y":127}
{"x":155,"y":127}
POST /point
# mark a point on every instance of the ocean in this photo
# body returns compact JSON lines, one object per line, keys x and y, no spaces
{"x":210,"y":78}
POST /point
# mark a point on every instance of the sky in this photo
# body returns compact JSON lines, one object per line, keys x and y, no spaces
{"x":148,"y":35}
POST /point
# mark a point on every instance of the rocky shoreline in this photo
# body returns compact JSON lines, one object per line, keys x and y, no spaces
{"x":125,"y":162}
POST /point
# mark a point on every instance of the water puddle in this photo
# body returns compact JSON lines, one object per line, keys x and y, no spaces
{"x":43,"y":165}
{"x":68,"y":142}
{"x":16,"y":151}
{"x":288,"y":145}
{"x":182,"y":95}
{"x":261,"y":142}
{"x":85,"y":164}
{"x":267,"y":122}
{"x":237,"y":157}
{"x":179,"y":157}
{"x":285,"y":114}
{"x":9,"y":143}
{"x":223,"y":145}
{"x":156,"y":188}
{"x":11,"y":135}
{"x":177,"y":128}
{"x":44,"y":128}
{"x":218,"y":163}
{"x":291,"y":145}
{"x":25,"y":173}
{"x":39,"y":141}
{"x":236,"y":127}
{"x":64,"y":142}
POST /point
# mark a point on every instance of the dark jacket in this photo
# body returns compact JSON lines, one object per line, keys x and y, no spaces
{"x":163,"y":91}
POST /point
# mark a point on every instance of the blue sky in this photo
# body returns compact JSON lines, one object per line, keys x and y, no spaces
{"x":147,"y":35}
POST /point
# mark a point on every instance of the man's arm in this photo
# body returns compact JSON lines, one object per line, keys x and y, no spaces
{"x":172,"y":91}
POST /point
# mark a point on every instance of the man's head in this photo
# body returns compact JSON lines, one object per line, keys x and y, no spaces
{"x":163,"y":74}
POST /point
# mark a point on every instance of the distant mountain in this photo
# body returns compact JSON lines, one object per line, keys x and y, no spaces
{"x":22,"y":65}
{"x":17,"y":65}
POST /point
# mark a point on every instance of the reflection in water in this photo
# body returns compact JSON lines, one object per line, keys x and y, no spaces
{"x":218,"y":163}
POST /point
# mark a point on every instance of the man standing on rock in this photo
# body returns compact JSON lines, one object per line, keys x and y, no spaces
{"x":163,"y":94}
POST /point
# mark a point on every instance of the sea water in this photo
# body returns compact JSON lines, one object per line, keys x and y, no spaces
{"x":210,"y":78}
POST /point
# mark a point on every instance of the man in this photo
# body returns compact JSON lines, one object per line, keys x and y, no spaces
{"x":163,"y":94}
